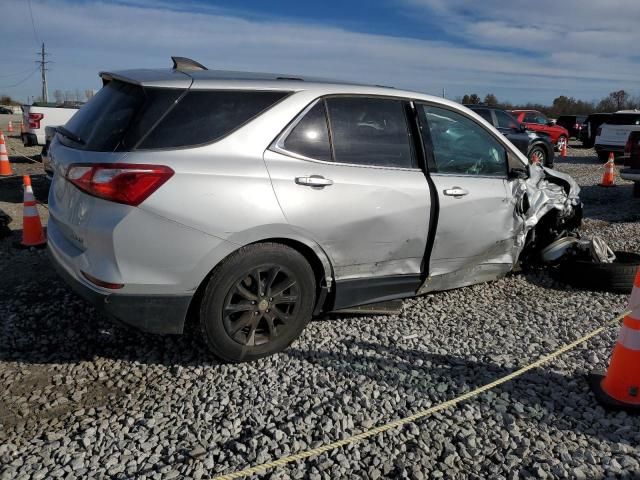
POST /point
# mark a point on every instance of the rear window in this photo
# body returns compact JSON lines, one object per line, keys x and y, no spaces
{"x":102,"y":122}
{"x":624,"y":119}
{"x":123,"y":117}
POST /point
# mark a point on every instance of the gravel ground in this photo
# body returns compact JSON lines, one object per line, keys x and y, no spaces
{"x":83,"y":398}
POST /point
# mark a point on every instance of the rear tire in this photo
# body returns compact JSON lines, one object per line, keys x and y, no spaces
{"x":613,"y":277}
{"x":257,"y":302}
{"x":603,"y":156}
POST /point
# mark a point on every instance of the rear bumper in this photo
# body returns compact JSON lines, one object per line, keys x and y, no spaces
{"x":163,"y":314}
{"x":616,"y":149}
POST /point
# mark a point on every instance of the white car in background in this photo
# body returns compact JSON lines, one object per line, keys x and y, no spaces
{"x":612,"y":136}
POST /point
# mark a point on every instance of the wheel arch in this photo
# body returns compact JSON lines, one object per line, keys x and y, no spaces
{"x":311,"y":251}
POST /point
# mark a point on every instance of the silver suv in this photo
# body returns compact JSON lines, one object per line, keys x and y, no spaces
{"x":254,"y":201}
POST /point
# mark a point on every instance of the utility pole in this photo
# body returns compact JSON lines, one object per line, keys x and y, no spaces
{"x":43,"y":71}
{"x":444,"y":93}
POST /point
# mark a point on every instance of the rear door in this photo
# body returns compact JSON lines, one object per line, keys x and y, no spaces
{"x":346,"y":176}
{"x":468,"y":166}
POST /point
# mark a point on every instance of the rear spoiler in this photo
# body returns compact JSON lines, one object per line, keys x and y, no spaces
{"x":177,"y":77}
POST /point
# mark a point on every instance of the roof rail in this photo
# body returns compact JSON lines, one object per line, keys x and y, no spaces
{"x":184,"y":63}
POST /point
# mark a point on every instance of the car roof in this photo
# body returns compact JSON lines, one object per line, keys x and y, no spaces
{"x":223,"y":79}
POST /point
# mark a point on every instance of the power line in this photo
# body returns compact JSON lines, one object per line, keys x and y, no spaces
{"x":15,"y":73}
{"x":23,"y":80}
{"x":33,"y":24}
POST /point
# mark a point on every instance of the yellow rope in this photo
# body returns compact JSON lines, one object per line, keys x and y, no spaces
{"x":281,"y":462}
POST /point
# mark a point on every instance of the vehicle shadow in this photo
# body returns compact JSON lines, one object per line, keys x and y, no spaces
{"x":599,"y":203}
{"x":11,"y":189}
{"x":25,"y":159}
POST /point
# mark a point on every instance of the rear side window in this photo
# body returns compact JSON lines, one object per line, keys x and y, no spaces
{"x":206,"y":116}
{"x":310,"y":137}
{"x":370,"y":131}
{"x":505,"y":120}
{"x":102,"y":122}
{"x":624,"y":119}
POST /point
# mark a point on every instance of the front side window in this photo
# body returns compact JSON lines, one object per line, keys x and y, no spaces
{"x":461,"y":146}
{"x":530,"y":118}
{"x":370,"y":131}
{"x":505,"y":120}
{"x":541,"y":119}
{"x":310,"y":137}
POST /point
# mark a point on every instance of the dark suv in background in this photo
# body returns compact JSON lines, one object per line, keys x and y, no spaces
{"x":536,"y":146}
{"x":590,"y":128}
{"x":573,"y":124}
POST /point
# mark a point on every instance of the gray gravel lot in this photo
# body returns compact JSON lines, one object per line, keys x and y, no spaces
{"x":83,"y":398}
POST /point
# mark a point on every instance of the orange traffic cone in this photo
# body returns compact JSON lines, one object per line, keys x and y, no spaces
{"x":10,"y":127}
{"x":32,"y":231}
{"x":609,"y":175}
{"x":5,"y":166}
{"x":563,"y":150}
{"x":620,"y":387}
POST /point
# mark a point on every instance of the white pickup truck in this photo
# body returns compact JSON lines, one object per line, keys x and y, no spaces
{"x":37,"y":116}
{"x":612,"y":136}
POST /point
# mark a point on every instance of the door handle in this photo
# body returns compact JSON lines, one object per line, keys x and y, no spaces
{"x":314,"y":181}
{"x":456,"y":192}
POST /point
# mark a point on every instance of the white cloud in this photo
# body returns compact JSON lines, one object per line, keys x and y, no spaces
{"x":87,"y":37}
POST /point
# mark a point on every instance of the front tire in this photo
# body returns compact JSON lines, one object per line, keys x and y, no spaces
{"x":538,"y":155}
{"x":257,"y":302}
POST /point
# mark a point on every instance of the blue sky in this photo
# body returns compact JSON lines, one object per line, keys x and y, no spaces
{"x":521,"y":50}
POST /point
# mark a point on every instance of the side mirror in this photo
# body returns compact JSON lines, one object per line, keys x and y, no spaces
{"x":520,"y":172}
{"x":522,"y":128}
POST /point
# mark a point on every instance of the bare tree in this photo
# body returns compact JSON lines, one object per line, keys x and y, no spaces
{"x":59,"y":96}
{"x":88,"y":94}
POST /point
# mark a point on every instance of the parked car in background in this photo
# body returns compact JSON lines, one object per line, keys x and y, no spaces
{"x":590,"y":128}
{"x":536,"y":146}
{"x":37,"y":116}
{"x":612,"y":136}
{"x":254,"y":201}
{"x":632,"y":162}
{"x":538,"y":122}
{"x":6,"y":111}
{"x":572,"y":123}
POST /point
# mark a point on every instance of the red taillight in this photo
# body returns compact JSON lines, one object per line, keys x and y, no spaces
{"x":130,"y":184}
{"x":102,"y":283}
{"x":34,"y":120}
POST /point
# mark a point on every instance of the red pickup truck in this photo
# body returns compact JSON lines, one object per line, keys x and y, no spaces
{"x":538,"y":122}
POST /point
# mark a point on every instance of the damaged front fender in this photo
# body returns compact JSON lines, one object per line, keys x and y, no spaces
{"x":550,"y":207}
